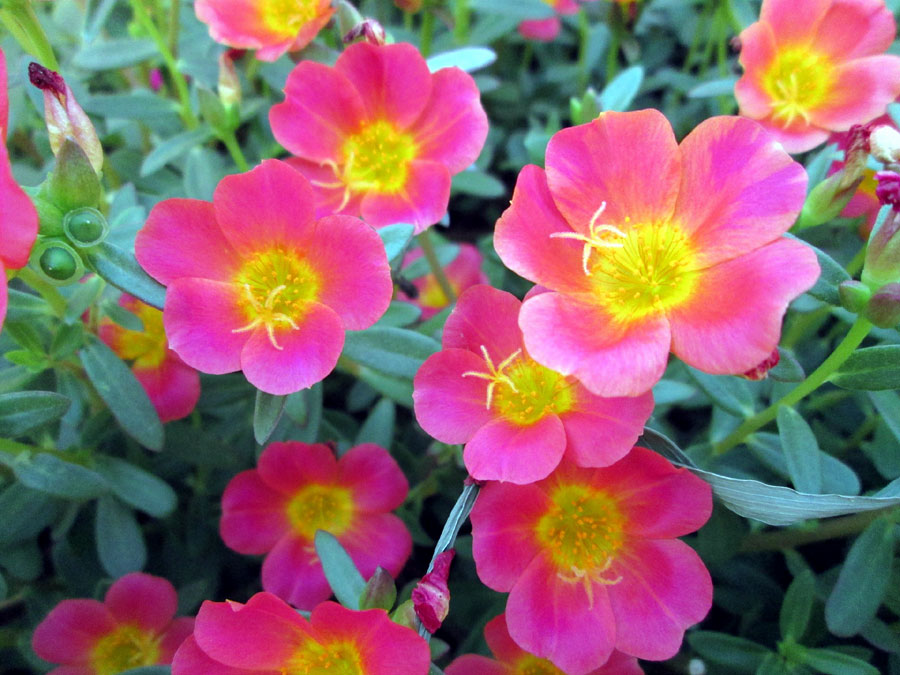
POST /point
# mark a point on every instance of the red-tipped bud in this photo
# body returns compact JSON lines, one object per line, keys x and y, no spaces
{"x":883,"y":309}
{"x":380,"y":591}
{"x":761,"y":370}
{"x":888,"y":190}
{"x":369,"y":30}
{"x":431,"y":596}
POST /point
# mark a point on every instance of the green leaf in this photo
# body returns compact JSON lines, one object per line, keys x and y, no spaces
{"x":518,"y":9}
{"x":267,"y":412}
{"x":120,"y":542}
{"x":479,"y":184}
{"x":788,"y":368}
{"x":722,"y":87}
{"x":801,"y":451}
{"x":48,"y":473}
{"x":173,"y":148}
{"x":148,"y":670}
{"x":870,"y":369}
{"x":67,"y":340}
{"x":24,"y":306}
{"x":396,"y":238}
{"x":835,"y":663}
{"x":22,"y":411}
{"x":82,"y":297}
{"x":833,"y":273}
{"x":343,"y":577}
{"x":379,"y":425}
{"x":398,"y":389}
{"x":123,"y":317}
{"x":863,"y":580}
{"x":121,"y":269}
{"x":25,"y":513}
{"x":458,"y":515}
{"x":114,"y":54}
{"x":137,"y":487}
{"x":135,"y":105}
{"x":126,"y":398}
{"x":469,"y":59}
{"x":395,"y":351}
{"x":887,"y":403}
{"x":400,"y":314}
{"x":446,"y":254}
{"x":731,"y":394}
{"x":619,"y":94}
{"x":773,"y":664}
{"x":305,"y":409}
{"x":728,"y":650}
{"x":797,"y":606}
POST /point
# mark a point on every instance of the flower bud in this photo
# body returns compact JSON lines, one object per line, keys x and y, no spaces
{"x":155,"y":79}
{"x":431,"y":596}
{"x":885,"y":144}
{"x":854,"y":295}
{"x":888,"y":190}
{"x":65,"y":118}
{"x":828,"y":198}
{"x":85,"y":227}
{"x":380,"y":591}
{"x":761,"y":370}
{"x":883,"y":309}
{"x":57,"y":262}
{"x":882,"y":264}
{"x":229,"y":87}
{"x":369,"y":29}
{"x":73,"y":183}
{"x":584,"y":109}
{"x":405,"y":615}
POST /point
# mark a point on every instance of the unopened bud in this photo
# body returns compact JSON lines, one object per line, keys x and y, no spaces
{"x":229,"y":87}
{"x":854,"y":295}
{"x":828,"y":198}
{"x":882,"y":264}
{"x":761,"y":370}
{"x":57,"y":262}
{"x":369,"y":30}
{"x":405,"y":615}
{"x":431,"y":596}
{"x":85,"y":227}
{"x":380,"y":591}
{"x":883,"y":309}
{"x":73,"y":183}
{"x":584,"y":109}
{"x":65,"y":118}
{"x":885,"y":144}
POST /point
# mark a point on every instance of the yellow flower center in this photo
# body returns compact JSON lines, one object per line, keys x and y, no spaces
{"x":377,"y":157}
{"x":532,"y":665}
{"x":287,"y":17}
{"x":797,"y":81}
{"x":125,"y":648}
{"x":432,"y":295}
{"x":335,"y":658}
{"x":147,"y":348}
{"x":321,"y":507}
{"x":276,"y":289}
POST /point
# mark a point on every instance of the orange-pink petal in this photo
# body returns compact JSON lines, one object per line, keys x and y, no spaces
{"x":422,"y":201}
{"x":501,"y":450}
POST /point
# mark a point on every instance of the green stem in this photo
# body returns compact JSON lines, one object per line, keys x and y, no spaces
{"x":181,"y":87}
{"x":855,"y":266}
{"x":435,"y":265}
{"x":174,"y":26}
{"x":230,"y":141}
{"x":427,"y":33}
{"x":19,"y":17}
{"x":831,"y":529}
{"x":45,"y":289}
{"x":584,"y":31}
{"x":615,"y":42}
{"x":461,"y":15}
{"x":817,"y":378}
{"x":805,"y":324}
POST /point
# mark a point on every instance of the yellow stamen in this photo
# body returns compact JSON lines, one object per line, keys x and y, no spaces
{"x":265,"y":314}
{"x":494,"y":375}
{"x":595,"y":239}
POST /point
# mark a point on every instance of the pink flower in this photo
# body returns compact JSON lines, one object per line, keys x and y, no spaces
{"x":378,"y":135}
{"x":256,"y":283}
{"x":18,"y":217}
{"x":431,"y":596}
{"x":590,"y":560}
{"x":272,"y":27}
{"x":298,"y":489}
{"x":134,"y":626}
{"x":463,"y":271}
{"x":267,"y":637}
{"x":816,"y":66}
{"x":649,"y":246}
{"x":172,"y":386}
{"x":516,"y":417}
{"x":511,"y":659}
{"x":545,"y":30}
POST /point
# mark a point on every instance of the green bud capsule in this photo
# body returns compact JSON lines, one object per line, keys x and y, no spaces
{"x":57,"y":262}
{"x":854,"y":296}
{"x":380,"y":591}
{"x":85,"y":227}
{"x":883,"y":309}
{"x":73,"y":182}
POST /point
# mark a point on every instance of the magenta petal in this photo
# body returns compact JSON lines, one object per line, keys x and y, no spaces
{"x":253,"y":515}
{"x":306,"y":355}
{"x":143,"y":600}
{"x":794,"y":20}
{"x":393,"y":81}
{"x":733,"y":320}
{"x":453,"y":126}
{"x":758,"y":52}
{"x":71,"y":630}
{"x":293,"y":572}
{"x":421,"y":202}
{"x":508,"y":452}
{"x":600,"y":431}
{"x":331,"y":196}
{"x":200,"y":318}
{"x":664,"y":589}
{"x":287,"y":467}
{"x":541,"y":30}
{"x":191,"y":660}
{"x":19,"y":219}
{"x":502,"y":646}
{"x":472,"y":664}
{"x":376,"y":479}
{"x":556,"y":620}
{"x":181,"y":238}
{"x":178,"y":631}
{"x":448,"y":405}
{"x":855,"y":28}
{"x":862,"y":90}
{"x":523,"y":237}
{"x":353,"y":267}
{"x":4,"y":294}
{"x":484,"y":317}
{"x":378,"y":540}
{"x":173,"y":387}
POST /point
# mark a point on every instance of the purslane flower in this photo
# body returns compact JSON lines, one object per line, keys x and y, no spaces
{"x":816,"y":66}
{"x":545,"y":30}
{"x":271,"y":27}
{"x":591,"y":562}
{"x":134,"y":626}
{"x":298,"y":489}
{"x":516,"y":417}
{"x":650,"y":247}
{"x":172,"y":386}
{"x":257,"y":283}
{"x":462,"y":272}
{"x":267,"y":637}
{"x":379,"y":135}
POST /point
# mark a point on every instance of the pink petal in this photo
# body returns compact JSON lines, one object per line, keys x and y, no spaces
{"x":733,"y":319}
{"x":178,"y":631}
{"x":253,"y":514}
{"x":502,"y":646}
{"x":620,"y":664}
{"x":71,"y":630}
{"x":504,"y":451}
{"x":798,"y":136}
{"x":523,"y":237}
{"x":353,"y":268}
{"x":293,"y":572}
{"x":320,"y":110}
{"x":471,"y":664}
{"x":378,"y":540}
{"x":422,"y":201}
{"x":143,"y":600}
{"x":854,"y":28}
{"x":181,"y":238}
{"x":484,"y":317}
{"x":173,"y":387}
{"x":555,"y":619}
{"x":758,"y":53}
{"x":503,"y":539}
{"x":393,"y":81}
{"x":329,"y":191}
{"x":190,"y":660}
{"x":19,"y":219}
{"x":270,"y":205}
{"x":200,"y":318}
{"x":4,"y":100}
{"x":376,"y":479}
{"x":306,"y":356}
{"x":541,"y":30}
{"x":600,"y":431}
{"x":612,"y":160}
{"x":739,"y":190}
{"x":664,"y":589}
{"x":4,"y":294}
{"x":237,"y":23}
{"x":793,"y":21}
{"x":453,"y":126}
{"x":862,"y":90}
{"x":288,"y":467}
{"x":448,"y":406}
{"x":580,"y":340}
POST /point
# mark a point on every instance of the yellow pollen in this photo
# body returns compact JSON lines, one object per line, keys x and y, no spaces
{"x":495,"y":374}
{"x":321,"y":507}
{"x":532,"y":665}
{"x":125,"y":648}
{"x":798,"y":80}
{"x":598,"y":237}
{"x":287,"y":17}
{"x":334,"y":658}
{"x":277,"y":287}
{"x":147,"y":348}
